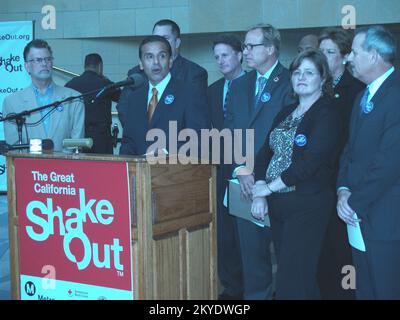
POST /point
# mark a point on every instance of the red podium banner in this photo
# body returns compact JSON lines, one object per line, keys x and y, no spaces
{"x":75,"y":229}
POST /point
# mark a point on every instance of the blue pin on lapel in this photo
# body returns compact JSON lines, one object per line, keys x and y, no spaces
{"x":368,"y":107}
{"x":300,"y":140}
{"x":169,"y":99}
{"x":266,"y":96}
{"x":60,"y":108}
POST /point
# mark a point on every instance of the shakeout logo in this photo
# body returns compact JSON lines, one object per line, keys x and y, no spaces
{"x":72,"y":223}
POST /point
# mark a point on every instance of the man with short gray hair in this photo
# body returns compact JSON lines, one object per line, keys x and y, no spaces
{"x":369,"y":176}
{"x":254,"y":101}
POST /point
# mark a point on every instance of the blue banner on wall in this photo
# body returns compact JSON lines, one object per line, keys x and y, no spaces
{"x":14,"y":36}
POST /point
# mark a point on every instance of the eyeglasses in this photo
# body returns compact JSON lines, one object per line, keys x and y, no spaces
{"x":41,"y":60}
{"x":250,"y":46}
{"x":305,"y":73}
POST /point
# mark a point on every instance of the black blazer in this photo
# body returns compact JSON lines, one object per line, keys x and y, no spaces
{"x":369,"y":165}
{"x":97,"y":113}
{"x":345,"y":93}
{"x":240,"y":105}
{"x":185,"y":109}
{"x":312,"y":164}
{"x":215,"y":95}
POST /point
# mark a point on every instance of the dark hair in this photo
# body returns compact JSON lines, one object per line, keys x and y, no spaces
{"x":37,"y":43}
{"x":271,"y":35}
{"x":155,"y":38}
{"x":230,"y":40}
{"x":339,"y":36}
{"x":166,"y":22}
{"x":320,"y":62}
{"x":380,"y":39}
{"x":93,"y":60}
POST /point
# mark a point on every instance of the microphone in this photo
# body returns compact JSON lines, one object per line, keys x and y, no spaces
{"x":78,"y":143}
{"x":115,"y":132}
{"x":47,"y":145}
{"x":134,"y":80}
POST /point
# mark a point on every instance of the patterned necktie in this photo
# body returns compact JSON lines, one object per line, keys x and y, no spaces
{"x":224,"y":107}
{"x":261,"y":84}
{"x":364,"y":100}
{"x":152,"y":104}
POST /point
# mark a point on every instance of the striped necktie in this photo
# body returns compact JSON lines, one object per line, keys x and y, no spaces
{"x":364,"y":101}
{"x":224,"y":107}
{"x":261,"y":84}
{"x":152,"y":104}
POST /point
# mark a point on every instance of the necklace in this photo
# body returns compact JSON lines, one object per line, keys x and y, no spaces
{"x":336,"y":81}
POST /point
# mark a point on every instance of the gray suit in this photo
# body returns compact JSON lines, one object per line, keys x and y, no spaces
{"x":241,"y":114}
{"x":67,"y":121}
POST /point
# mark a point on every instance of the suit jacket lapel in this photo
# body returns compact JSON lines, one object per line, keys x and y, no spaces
{"x":360,"y":117}
{"x":139,"y":107}
{"x":251,"y":91}
{"x":57,"y":115}
{"x":176,"y":67}
{"x":219,"y":103}
{"x":272,"y":83}
{"x":29,"y":100}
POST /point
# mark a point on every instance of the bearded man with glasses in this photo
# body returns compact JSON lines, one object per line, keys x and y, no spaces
{"x":63,"y":122}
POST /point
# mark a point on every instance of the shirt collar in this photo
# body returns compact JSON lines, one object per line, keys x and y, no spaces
{"x":269,"y":72}
{"x":375,"y":85}
{"x":242,"y":72}
{"x":49,"y":89}
{"x":161,"y":85}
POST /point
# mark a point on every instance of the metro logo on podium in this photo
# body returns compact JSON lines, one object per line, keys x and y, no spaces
{"x":75,"y":229}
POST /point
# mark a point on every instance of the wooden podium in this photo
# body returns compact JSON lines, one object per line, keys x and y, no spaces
{"x":173,"y":226}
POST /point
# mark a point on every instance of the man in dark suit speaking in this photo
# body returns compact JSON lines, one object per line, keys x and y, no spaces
{"x":182,"y":68}
{"x":369,"y":176}
{"x":161,"y":100}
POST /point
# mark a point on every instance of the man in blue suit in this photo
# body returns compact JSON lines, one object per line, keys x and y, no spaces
{"x":227,"y":51}
{"x":369,"y":176}
{"x":161,"y":100}
{"x":253,"y":102}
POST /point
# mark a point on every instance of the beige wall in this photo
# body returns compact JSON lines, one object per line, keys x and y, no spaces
{"x":115,"y":28}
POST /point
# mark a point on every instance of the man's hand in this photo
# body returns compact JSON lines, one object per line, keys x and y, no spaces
{"x":246,"y":183}
{"x":345,"y":212}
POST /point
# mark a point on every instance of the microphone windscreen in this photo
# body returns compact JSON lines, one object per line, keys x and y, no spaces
{"x":137,"y":78}
{"x":47,"y":144}
{"x":78,"y":143}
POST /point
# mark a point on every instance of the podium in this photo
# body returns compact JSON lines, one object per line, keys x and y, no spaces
{"x":172,"y":231}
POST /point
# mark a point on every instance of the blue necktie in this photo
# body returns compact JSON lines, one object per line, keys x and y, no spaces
{"x":364,"y":100}
{"x":224,"y":107}
{"x":261,"y":84}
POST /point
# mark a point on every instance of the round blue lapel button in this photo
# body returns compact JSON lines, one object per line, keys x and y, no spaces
{"x":60,"y":108}
{"x":266,"y":96}
{"x":169,"y":99}
{"x":300,"y":140}
{"x":368,"y":107}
